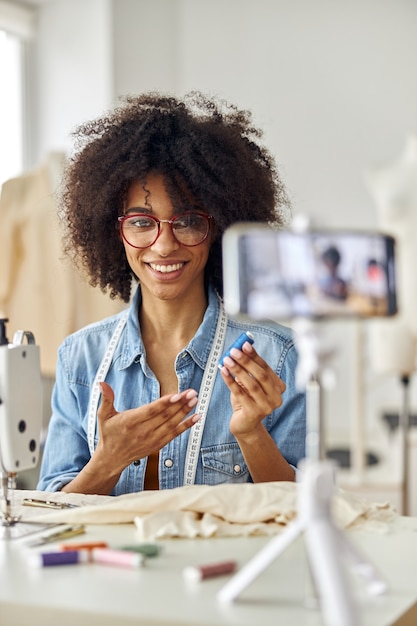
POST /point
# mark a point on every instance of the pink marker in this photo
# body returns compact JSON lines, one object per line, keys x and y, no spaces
{"x":119,"y":558}
{"x":201,"y":572}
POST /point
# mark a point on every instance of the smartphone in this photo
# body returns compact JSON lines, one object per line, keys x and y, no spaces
{"x":281,"y":274}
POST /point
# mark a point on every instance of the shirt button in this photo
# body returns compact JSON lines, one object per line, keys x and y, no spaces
{"x":168,"y":462}
{"x":236,"y":469}
{"x":136,"y":462}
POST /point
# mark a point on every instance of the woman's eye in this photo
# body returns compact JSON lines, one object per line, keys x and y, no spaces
{"x":141,"y":222}
{"x":186,"y":221}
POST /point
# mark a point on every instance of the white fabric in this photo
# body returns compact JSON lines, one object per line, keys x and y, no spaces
{"x":205,"y":511}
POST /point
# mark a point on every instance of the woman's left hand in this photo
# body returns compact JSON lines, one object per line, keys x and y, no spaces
{"x":255,"y":389}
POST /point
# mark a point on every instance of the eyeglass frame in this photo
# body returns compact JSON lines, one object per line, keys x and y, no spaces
{"x":122,"y":219}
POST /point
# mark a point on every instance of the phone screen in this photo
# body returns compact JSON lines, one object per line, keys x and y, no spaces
{"x":284,"y":274}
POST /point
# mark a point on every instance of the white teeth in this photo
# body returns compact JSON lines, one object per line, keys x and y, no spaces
{"x":166,"y":268}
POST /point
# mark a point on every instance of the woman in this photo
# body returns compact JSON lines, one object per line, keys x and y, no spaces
{"x":146,"y":199}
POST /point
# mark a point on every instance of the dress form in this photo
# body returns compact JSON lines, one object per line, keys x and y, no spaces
{"x":393,"y":341}
{"x":393,"y":187}
{"x":39,"y":291}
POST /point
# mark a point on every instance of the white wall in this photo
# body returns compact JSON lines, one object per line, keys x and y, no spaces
{"x":332,"y":82}
{"x":73,"y":71}
{"x":146,"y":45}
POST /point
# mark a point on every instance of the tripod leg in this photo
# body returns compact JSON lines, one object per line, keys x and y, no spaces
{"x":260,"y":562}
{"x":323,"y":551}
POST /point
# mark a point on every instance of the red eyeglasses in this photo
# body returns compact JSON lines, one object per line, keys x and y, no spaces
{"x":140,"y":230}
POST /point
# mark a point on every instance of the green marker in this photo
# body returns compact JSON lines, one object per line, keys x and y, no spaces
{"x":147,"y":549}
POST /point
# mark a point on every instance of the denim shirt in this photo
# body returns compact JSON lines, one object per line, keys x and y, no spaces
{"x":220,"y":460}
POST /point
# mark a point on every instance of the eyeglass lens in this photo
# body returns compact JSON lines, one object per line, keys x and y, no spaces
{"x":142,"y":231}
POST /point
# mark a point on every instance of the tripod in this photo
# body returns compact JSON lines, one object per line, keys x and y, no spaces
{"x":404,"y":426}
{"x":325,"y":542}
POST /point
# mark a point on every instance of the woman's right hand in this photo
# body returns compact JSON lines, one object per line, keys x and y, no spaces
{"x":134,"y":434}
{"x":127,"y":436}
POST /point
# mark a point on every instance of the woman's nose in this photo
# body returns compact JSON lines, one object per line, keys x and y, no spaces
{"x":166,"y":241}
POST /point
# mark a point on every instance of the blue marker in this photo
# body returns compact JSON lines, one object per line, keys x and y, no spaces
{"x":237,"y":344}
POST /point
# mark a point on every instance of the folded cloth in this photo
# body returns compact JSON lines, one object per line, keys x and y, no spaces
{"x":206,"y":511}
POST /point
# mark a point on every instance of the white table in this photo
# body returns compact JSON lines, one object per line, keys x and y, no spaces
{"x":157,"y":594}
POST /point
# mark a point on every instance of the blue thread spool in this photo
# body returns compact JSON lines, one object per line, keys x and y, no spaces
{"x":247,"y":336}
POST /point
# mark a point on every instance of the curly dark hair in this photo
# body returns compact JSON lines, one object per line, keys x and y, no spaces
{"x":203,"y":147}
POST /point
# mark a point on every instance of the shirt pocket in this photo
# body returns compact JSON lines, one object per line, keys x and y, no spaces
{"x":223,"y":463}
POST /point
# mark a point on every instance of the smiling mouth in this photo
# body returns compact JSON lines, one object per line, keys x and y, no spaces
{"x":165,"y":269}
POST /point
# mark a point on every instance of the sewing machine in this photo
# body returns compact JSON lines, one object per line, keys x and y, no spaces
{"x":20,"y":412}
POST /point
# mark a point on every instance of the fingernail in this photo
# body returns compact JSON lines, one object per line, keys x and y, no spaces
{"x":196,"y":418}
{"x":175,"y":397}
{"x":228,"y":361}
{"x":193,"y":401}
{"x":191,"y":393}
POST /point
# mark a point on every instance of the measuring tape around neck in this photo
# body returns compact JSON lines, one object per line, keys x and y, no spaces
{"x":204,"y":395}
{"x":99,"y":378}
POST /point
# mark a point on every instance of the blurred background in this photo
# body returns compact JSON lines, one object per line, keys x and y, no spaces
{"x":333,"y":85}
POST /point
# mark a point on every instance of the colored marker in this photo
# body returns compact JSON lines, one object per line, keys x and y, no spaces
{"x":201,"y":572}
{"x":237,"y":344}
{"x":147,"y":549}
{"x":87,"y":545}
{"x":46,"y":559}
{"x":120,"y":558}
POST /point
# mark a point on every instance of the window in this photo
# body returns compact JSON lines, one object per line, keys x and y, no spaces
{"x":11,"y":106}
{"x":17,"y":26}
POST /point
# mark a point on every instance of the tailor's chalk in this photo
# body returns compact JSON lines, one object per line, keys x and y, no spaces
{"x":201,"y":572}
{"x":119,"y":558}
{"x":237,"y":344}
{"x":87,"y":545}
{"x":45,"y":559}
{"x":147,"y":549}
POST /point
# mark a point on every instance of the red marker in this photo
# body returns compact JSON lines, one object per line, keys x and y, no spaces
{"x":201,"y":572}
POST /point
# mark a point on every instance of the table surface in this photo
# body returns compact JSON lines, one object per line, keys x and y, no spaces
{"x":158,"y":595}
